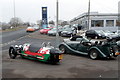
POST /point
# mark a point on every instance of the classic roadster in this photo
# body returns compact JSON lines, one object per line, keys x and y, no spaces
{"x":94,"y":49}
{"x":46,"y":53}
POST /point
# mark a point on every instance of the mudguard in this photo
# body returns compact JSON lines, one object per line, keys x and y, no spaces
{"x":101,"y":54}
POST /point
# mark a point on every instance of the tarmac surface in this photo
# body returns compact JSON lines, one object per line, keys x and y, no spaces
{"x":72,"y":66}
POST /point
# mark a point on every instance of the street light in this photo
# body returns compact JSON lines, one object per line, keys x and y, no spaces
{"x":57,"y":16}
{"x":14,"y":13}
{"x":88,"y":15}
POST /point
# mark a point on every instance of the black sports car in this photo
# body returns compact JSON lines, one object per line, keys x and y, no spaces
{"x":96,"y":34}
{"x":68,"y":32}
{"x":96,"y":49}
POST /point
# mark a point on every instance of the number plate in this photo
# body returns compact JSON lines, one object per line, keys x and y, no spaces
{"x":60,"y":56}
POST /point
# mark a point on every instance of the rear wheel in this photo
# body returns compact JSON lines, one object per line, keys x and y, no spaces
{"x":12,"y":53}
{"x":93,"y":54}
{"x":62,"y":48}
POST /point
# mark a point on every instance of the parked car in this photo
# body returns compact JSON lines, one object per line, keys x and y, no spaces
{"x":96,"y":34}
{"x":45,"y":30}
{"x":67,"y":32}
{"x":45,"y":53}
{"x":117,"y":32}
{"x":36,"y":27}
{"x":108,"y":33}
{"x":30,"y":29}
{"x":81,"y":45}
{"x":54,"y":31}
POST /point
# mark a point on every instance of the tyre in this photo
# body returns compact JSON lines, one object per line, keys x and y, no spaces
{"x":12,"y":53}
{"x":62,"y":48}
{"x":93,"y":54}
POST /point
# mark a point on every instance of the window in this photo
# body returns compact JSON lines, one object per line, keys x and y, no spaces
{"x":97,"y":23}
{"x":118,"y":23}
{"x":109,"y":23}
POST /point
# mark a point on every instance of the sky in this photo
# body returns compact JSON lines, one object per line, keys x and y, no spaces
{"x":30,"y":10}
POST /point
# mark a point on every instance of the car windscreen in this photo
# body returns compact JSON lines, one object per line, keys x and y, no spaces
{"x":99,"y":31}
{"x":106,"y":31}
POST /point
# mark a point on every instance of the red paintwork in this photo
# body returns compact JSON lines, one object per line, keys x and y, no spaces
{"x":39,"y":54}
{"x":45,"y":31}
{"x":33,"y":54}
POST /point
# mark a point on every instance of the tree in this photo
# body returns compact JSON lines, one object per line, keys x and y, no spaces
{"x":52,"y":22}
{"x":39,"y":22}
{"x":64,"y":23}
{"x":5,"y":26}
{"x":15,"y":22}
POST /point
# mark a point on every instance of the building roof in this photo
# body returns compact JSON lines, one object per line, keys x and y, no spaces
{"x":94,"y":14}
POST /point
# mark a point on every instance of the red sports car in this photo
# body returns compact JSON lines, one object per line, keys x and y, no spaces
{"x":45,"y":30}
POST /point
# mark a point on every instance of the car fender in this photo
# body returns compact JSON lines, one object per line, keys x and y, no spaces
{"x":64,"y":44}
{"x":100,"y":52}
{"x":71,"y":50}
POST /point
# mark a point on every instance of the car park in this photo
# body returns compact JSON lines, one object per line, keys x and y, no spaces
{"x":45,"y":53}
{"x":96,"y":34}
{"x":83,"y":46}
{"x":30,"y":29}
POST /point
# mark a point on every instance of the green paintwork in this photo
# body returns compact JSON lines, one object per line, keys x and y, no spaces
{"x":78,"y":47}
{"x":46,"y":57}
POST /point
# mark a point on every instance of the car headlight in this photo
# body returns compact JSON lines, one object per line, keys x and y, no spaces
{"x":99,"y":34}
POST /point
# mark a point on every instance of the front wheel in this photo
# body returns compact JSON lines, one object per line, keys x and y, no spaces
{"x":93,"y":54}
{"x":12,"y":53}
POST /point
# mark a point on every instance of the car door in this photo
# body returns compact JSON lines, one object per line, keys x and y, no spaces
{"x":82,"y":48}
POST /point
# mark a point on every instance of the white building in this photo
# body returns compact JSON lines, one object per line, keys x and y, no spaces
{"x":107,"y":21}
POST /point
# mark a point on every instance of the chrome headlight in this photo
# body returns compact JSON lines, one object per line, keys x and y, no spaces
{"x":99,"y":34}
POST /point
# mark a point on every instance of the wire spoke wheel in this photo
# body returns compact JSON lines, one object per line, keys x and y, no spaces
{"x":93,"y":54}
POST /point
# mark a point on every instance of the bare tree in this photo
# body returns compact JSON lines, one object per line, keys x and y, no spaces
{"x":15,"y":22}
{"x":52,"y":22}
{"x":64,"y":23}
{"x":39,"y":22}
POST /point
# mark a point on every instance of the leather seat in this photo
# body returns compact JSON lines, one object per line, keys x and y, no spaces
{"x":34,"y":48}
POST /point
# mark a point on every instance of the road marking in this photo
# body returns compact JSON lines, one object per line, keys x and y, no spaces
{"x":13,"y":41}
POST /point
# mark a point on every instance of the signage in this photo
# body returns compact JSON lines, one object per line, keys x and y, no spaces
{"x":44,"y":17}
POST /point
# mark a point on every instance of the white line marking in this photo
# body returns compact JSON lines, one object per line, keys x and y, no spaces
{"x":5,"y":44}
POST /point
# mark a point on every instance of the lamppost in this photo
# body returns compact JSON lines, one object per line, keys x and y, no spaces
{"x":57,"y":16}
{"x":14,"y":13}
{"x":88,"y":15}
